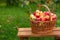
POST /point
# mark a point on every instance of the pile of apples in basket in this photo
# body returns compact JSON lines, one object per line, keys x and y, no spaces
{"x":43,"y":16}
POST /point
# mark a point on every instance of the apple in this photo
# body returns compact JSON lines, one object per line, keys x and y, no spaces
{"x":32,"y":16}
{"x":41,"y":17}
{"x":46,"y":18}
{"x":37,"y":11}
{"x":38,"y":19}
{"x":41,"y":13}
{"x":53,"y":17}
{"x":52,"y":14}
{"x":37,"y":14}
{"x":47,"y":13}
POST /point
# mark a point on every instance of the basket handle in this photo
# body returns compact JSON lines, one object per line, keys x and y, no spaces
{"x":48,"y":10}
{"x":46,"y":7}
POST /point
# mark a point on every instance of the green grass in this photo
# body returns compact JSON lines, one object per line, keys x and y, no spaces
{"x":10,"y":19}
{"x":14,"y":17}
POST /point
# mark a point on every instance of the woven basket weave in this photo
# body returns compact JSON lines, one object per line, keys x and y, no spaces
{"x":42,"y":26}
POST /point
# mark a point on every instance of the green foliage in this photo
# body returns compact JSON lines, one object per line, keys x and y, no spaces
{"x":13,"y":2}
{"x":56,"y":1}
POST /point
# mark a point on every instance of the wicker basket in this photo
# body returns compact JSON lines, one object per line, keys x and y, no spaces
{"x":42,"y":27}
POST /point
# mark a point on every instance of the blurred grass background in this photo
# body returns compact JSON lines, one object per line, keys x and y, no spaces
{"x":12,"y":17}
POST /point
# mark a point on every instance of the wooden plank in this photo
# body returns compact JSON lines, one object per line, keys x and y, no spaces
{"x":26,"y":32}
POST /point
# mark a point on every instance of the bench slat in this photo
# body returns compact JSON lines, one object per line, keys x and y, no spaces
{"x":26,"y":32}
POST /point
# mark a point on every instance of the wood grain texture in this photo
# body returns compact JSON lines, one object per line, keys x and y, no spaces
{"x":26,"y":32}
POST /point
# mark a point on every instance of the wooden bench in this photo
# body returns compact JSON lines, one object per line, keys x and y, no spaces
{"x":24,"y":33}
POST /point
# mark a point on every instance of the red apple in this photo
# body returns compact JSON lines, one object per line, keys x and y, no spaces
{"x":53,"y":17}
{"x":46,"y":18}
{"x":47,"y":13}
{"x":38,"y":19}
{"x":37,"y":15}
